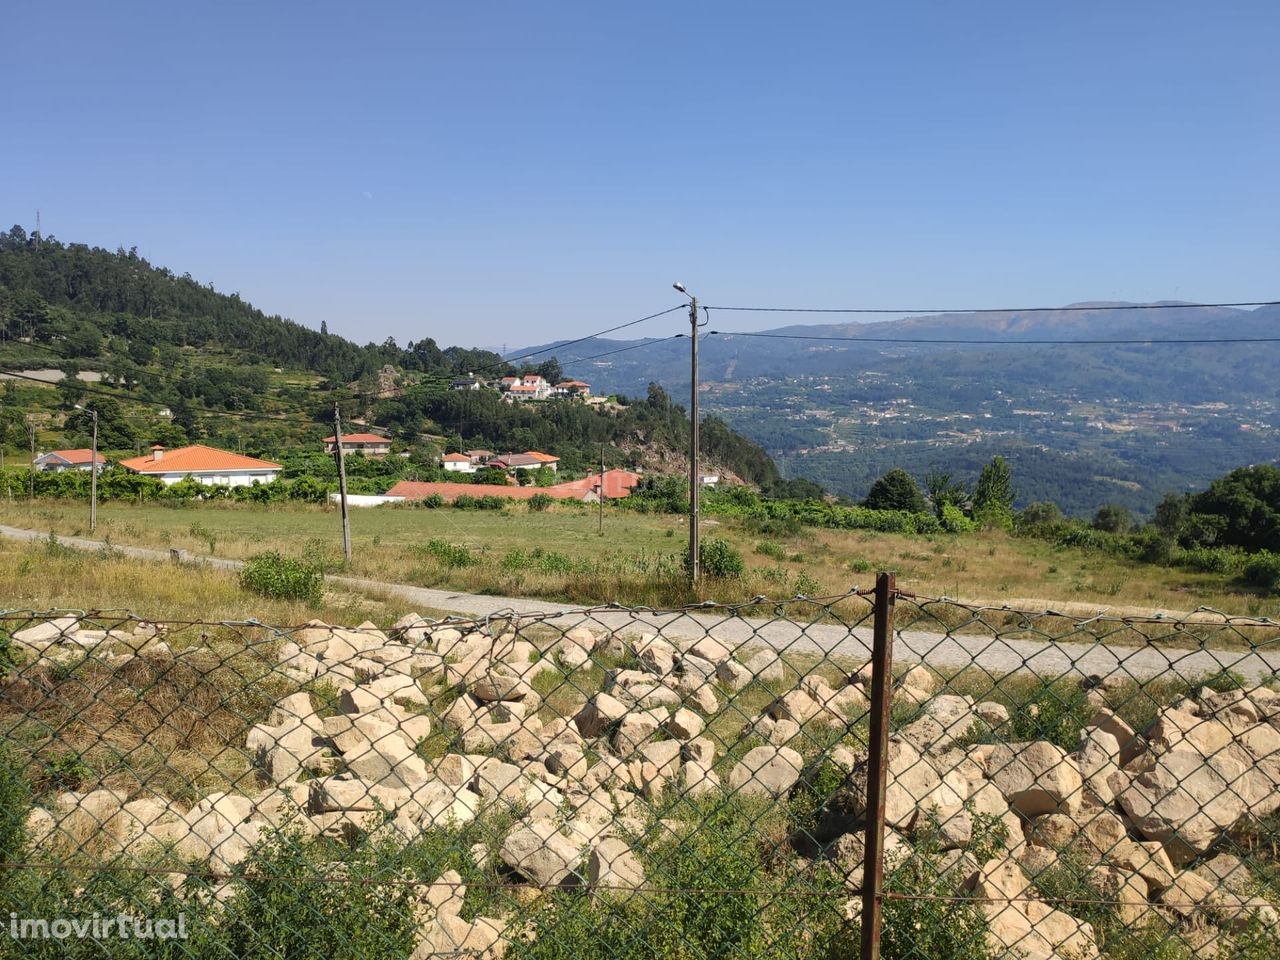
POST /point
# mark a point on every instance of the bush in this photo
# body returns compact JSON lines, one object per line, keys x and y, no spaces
{"x":718,"y":558}
{"x":1055,"y":711}
{"x":490,"y":502}
{"x":283,"y":578}
{"x":954,"y":521}
{"x":539,"y":502}
{"x":771,"y":548}
{"x":448,"y":554}
{"x":1263,"y":570}
{"x":1210,"y":559}
{"x":15,"y":803}
{"x":432,"y":501}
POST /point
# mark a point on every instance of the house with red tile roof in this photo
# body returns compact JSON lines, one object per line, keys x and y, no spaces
{"x":369,"y":444}
{"x":617,"y":484}
{"x":459,"y":463}
{"x":529,"y":460}
{"x":208,"y":465}
{"x":573,"y":388}
{"x":56,"y":461}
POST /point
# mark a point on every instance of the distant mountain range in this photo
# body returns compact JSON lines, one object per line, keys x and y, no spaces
{"x":1084,"y":424}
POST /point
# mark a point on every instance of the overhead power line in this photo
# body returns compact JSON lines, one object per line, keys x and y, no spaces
{"x":1069,"y":309}
{"x":991,"y":341}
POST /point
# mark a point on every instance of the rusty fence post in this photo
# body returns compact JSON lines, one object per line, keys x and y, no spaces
{"x":877,"y":766}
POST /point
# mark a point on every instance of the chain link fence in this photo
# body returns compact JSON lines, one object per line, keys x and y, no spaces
{"x":874,"y":774}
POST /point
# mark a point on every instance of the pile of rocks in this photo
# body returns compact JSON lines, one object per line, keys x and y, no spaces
{"x":1147,"y":812}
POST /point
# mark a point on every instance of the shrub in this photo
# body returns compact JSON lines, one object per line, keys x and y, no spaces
{"x":771,"y":548}
{"x":539,"y":502}
{"x":1054,"y":711}
{"x":806,"y":586}
{"x":954,"y":521}
{"x":448,"y":554}
{"x":15,"y":803}
{"x":464,"y":502}
{"x":432,"y":501}
{"x":1263,"y":570}
{"x":490,"y":502}
{"x":283,"y":578}
{"x":1210,"y":559}
{"x":718,"y":558}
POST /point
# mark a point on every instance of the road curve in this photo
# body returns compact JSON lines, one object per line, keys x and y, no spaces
{"x":944,"y":651}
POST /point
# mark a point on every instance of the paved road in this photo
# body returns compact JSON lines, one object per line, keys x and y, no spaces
{"x":944,"y":651}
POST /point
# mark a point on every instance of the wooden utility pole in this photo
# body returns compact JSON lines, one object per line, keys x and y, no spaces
{"x":31,"y":471}
{"x":600,"y":531}
{"x":877,"y":765}
{"x":93,"y":476}
{"x":695,"y":480}
{"x":342,"y":483}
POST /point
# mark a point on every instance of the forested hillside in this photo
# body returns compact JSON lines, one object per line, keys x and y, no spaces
{"x":164,"y":358}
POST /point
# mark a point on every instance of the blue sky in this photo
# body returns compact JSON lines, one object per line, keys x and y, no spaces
{"x":490,"y":173}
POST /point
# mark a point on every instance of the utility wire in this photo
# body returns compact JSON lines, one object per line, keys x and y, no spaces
{"x":1142,"y":341}
{"x":1069,"y":309}
{"x":592,"y":336}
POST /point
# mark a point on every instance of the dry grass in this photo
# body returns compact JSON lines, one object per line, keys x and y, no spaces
{"x":636,"y":561}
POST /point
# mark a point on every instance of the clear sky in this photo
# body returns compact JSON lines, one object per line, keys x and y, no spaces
{"x":488,"y":173}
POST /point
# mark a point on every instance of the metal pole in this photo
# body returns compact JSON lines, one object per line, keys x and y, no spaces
{"x":342,"y":484}
{"x":31,"y":472}
{"x":877,"y":766}
{"x":93,"y":477}
{"x":695,"y":481}
{"x":600,"y":531}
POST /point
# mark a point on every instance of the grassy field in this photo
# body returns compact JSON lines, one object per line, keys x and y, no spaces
{"x":558,"y":554}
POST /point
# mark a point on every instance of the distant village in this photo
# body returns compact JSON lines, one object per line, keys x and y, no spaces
{"x":509,"y":475}
{"x":529,"y":386}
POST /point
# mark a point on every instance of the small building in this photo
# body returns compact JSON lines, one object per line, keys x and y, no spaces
{"x":573,"y":388}
{"x":530,"y":460}
{"x":458,"y":463}
{"x":369,"y":444}
{"x":57,"y":461}
{"x":207,"y":465}
{"x":469,"y":382}
{"x":479,"y":457}
{"x":528,"y":387}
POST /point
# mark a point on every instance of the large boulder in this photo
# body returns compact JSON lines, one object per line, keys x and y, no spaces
{"x":1186,"y":801}
{"x":1036,"y":778}
{"x":537,"y":851}
{"x":601,"y":713}
{"x":766,"y":771}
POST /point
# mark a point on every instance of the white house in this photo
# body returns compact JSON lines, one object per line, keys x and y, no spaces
{"x":56,"y":461}
{"x":369,"y":444}
{"x":459,"y":463}
{"x":208,"y":465}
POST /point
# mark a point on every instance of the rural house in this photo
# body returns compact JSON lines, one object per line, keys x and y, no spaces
{"x":573,"y":388}
{"x":56,"y":461}
{"x":208,"y":465}
{"x":459,"y":463}
{"x":529,"y":460}
{"x":369,"y":444}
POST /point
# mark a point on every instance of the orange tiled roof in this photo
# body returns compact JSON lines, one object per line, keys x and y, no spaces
{"x":541,"y":457}
{"x":197,"y":458}
{"x":80,"y":455}
{"x":456,"y":458}
{"x":358,"y":438}
{"x":617,"y":484}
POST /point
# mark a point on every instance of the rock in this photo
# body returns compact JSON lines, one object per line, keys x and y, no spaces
{"x":1099,"y":759}
{"x":613,"y":868}
{"x":327,"y":794}
{"x":766,"y":666}
{"x":685,"y":724}
{"x":1148,"y":860}
{"x":697,"y":667}
{"x":380,"y":754}
{"x":1027,"y":927}
{"x":571,"y":655}
{"x":796,"y":705}
{"x":995,"y":714}
{"x":1176,"y":729}
{"x":636,"y":729}
{"x":1186,"y":801}
{"x":766,"y":771}
{"x":581,"y":637}
{"x":499,"y":685}
{"x":699,"y":693}
{"x":708,"y":648}
{"x":40,"y":635}
{"x":849,"y":701}
{"x":699,"y":748}
{"x":600,"y":714}
{"x":656,"y":656}
{"x":1131,"y":745}
{"x":566,"y":760}
{"x":1053,"y":830}
{"x":1036,"y":777}
{"x":540,"y":853}
{"x":733,"y":674}
{"x":699,"y":778}
{"x":783,"y":732}
{"x":921,"y":678}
